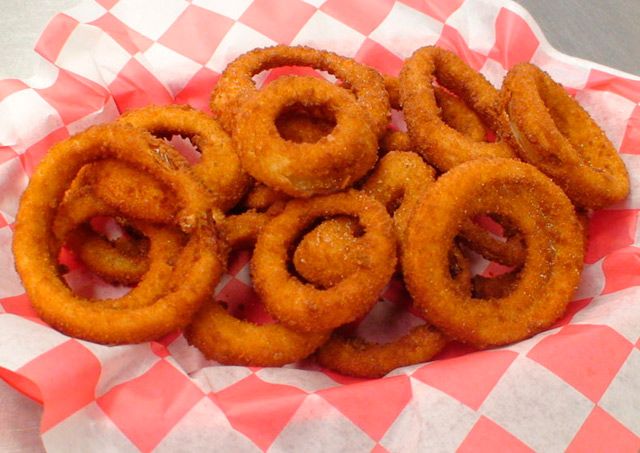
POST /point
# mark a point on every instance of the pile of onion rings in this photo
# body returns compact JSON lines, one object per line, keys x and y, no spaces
{"x":334,"y":203}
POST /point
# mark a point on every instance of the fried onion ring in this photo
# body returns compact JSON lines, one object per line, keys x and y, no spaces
{"x":304,"y":169}
{"x":236,"y":86}
{"x":331,"y":251}
{"x":232,"y":341}
{"x":198,"y":267}
{"x":305,"y":307}
{"x":354,"y":356}
{"x":553,"y":132}
{"x":440,"y":144}
{"x":228,"y":340}
{"x":453,"y":110}
{"x":219,"y":166}
{"x":537,"y":208}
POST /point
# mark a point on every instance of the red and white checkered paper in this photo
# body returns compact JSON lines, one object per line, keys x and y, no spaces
{"x":575,"y":387}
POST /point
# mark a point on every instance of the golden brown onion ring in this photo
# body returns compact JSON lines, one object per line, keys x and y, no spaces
{"x":553,"y":132}
{"x":304,"y":307}
{"x":543,"y":215}
{"x":440,"y":144}
{"x":219,"y":167}
{"x":236,"y":86}
{"x":197,"y":269}
{"x":304,"y":169}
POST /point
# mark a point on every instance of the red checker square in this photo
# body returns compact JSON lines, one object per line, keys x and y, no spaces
{"x":373,"y":405}
{"x":631,"y":140}
{"x":136,"y":87}
{"x":573,"y":308}
{"x":280,"y":20}
{"x":342,"y":378}
{"x":489,"y":436}
{"x":211,"y":29}
{"x":373,"y":54}
{"x":128,"y":38}
{"x":7,"y":153}
{"x":19,"y":305}
{"x":452,"y":40}
{"x":3,"y":221}
{"x":468,"y":378}
{"x":238,"y":261}
{"x":515,"y":41}
{"x":90,"y":96}
{"x":610,"y":230}
{"x":197,"y":90}
{"x":602,"y":433}
{"x":438,"y":9}
{"x":396,"y":292}
{"x":21,"y":384}
{"x":603,"y":81}
{"x":67,"y":376}
{"x":621,"y":269}
{"x":164,"y":342}
{"x":235,"y":291}
{"x":55,"y":36}
{"x":258,"y":409}
{"x":362,"y":15}
{"x":243,"y":302}
{"x":10,"y":86}
{"x":148,"y":407}
{"x":585,"y":356}
{"x":107,"y":4}
{"x":34,"y":154}
{"x":379,"y":449}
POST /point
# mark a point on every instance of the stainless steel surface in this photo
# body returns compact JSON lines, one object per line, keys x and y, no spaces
{"x":607,"y":32}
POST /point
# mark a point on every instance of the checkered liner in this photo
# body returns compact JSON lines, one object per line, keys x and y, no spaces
{"x":576,"y":386}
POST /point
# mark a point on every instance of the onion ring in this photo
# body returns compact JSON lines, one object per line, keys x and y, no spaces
{"x":553,"y":132}
{"x":132,"y":192}
{"x":219,"y":166}
{"x":235,"y":86}
{"x":538,"y":209}
{"x":453,"y":110}
{"x":511,"y":252}
{"x":440,"y":144}
{"x":304,"y":169}
{"x":109,"y":259}
{"x":305,"y":307}
{"x":197,"y":269}
{"x":356,"y":357}
{"x":331,"y":251}
{"x":226,"y":339}
{"x":231,"y":341}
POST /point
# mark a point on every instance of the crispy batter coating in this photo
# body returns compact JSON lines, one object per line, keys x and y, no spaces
{"x":302,"y":306}
{"x":197,"y":268}
{"x":219,"y":166}
{"x":550,"y":130}
{"x":330,"y":252}
{"x":226,"y":339}
{"x":440,"y":144}
{"x":235,"y":86}
{"x":333,"y":163}
{"x":453,"y":110}
{"x":354,"y":356}
{"x":543,"y":215}
{"x":231,"y":341}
